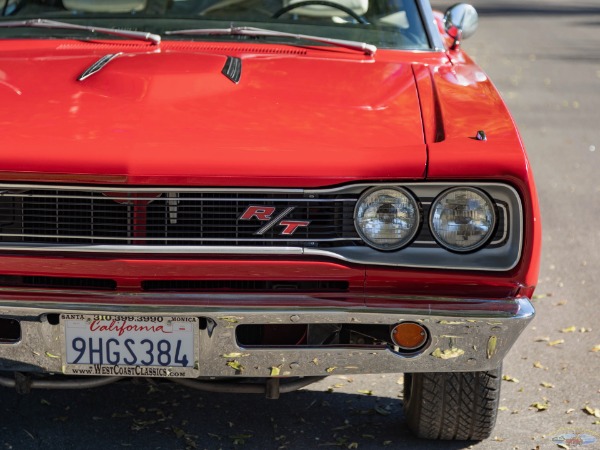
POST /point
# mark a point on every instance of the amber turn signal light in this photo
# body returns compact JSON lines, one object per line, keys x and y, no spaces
{"x":409,"y":336}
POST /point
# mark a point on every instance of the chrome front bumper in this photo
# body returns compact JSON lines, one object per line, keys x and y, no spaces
{"x":471,"y":335}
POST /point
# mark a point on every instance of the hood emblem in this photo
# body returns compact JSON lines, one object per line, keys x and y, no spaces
{"x":98,"y":65}
{"x":233,"y":69}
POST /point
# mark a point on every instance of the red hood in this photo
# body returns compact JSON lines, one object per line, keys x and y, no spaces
{"x":172,"y":117}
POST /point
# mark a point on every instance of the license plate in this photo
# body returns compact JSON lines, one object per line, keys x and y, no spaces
{"x":120,"y":345}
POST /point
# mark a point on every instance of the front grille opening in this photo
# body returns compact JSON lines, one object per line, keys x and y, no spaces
{"x":73,"y":216}
{"x":271,"y":335}
{"x":10,"y":331}
{"x":314,"y":335}
{"x":245,"y":286}
{"x":58,"y":282}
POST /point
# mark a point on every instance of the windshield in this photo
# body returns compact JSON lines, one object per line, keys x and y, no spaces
{"x":383,"y":23}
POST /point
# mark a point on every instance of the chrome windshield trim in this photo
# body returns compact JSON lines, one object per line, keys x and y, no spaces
{"x":431,"y":29}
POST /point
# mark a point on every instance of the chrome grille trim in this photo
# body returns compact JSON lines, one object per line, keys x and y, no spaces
{"x":53,"y":236}
{"x":216,"y":199}
{"x":502,"y":254}
{"x":149,"y":249}
{"x":165,"y":217}
{"x":91,"y":188}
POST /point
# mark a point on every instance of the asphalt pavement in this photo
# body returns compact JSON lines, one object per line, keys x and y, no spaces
{"x":544,"y":57}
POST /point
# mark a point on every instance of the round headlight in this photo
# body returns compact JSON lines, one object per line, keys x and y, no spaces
{"x":387,"y":218}
{"x":462,"y":219}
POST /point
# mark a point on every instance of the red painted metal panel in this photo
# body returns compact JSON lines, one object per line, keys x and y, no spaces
{"x":171,"y":117}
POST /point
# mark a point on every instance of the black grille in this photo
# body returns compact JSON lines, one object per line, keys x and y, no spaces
{"x":57,"y":282}
{"x":48,"y":216}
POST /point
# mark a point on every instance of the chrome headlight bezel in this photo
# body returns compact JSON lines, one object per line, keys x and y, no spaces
{"x":478,"y":245}
{"x":405,"y":241}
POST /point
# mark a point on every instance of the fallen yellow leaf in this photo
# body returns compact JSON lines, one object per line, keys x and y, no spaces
{"x":592,"y":411}
{"x":230,"y":319}
{"x":275,"y":371}
{"x":556,"y":342}
{"x":509,"y":378}
{"x":595,"y":348}
{"x":448,"y":353}
{"x":330,"y":369}
{"x":570,"y":329}
{"x":236,"y":365}
{"x":540,"y":406}
{"x":491,"y":347}
{"x":538,"y":365}
{"x":546,"y":384}
{"x":365,"y":392}
{"x":234,"y":355}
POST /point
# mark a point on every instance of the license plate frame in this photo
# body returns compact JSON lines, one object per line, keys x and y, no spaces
{"x":141,"y":345}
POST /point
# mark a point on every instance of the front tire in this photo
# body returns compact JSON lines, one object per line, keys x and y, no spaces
{"x":452,"y":405}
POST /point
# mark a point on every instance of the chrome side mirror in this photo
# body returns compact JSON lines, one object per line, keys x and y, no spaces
{"x":460,"y":22}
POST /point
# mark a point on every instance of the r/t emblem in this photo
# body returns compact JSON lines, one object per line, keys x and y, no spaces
{"x":265,"y":214}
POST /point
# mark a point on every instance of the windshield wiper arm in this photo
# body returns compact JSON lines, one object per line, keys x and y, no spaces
{"x":44,"y":23}
{"x":367,"y":49}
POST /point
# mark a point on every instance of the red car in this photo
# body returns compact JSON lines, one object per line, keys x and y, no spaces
{"x":249,"y":195}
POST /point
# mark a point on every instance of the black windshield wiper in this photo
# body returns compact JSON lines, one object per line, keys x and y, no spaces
{"x":367,"y":49}
{"x":44,"y":23}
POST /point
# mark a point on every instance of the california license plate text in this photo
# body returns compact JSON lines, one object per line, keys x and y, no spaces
{"x":136,"y":341}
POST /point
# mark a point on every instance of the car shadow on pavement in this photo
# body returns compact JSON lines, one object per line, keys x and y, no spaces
{"x":167,"y":416}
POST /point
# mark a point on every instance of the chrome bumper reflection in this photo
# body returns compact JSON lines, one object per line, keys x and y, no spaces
{"x":460,"y":340}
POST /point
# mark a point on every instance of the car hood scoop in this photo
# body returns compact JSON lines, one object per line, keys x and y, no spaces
{"x":189,"y":117}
